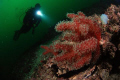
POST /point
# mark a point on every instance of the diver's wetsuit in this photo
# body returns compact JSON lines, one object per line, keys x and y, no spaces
{"x":30,"y":20}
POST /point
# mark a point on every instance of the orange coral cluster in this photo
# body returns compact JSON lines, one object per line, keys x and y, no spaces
{"x":80,"y":40}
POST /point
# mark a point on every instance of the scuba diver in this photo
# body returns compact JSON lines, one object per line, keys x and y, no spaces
{"x":31,"y":20}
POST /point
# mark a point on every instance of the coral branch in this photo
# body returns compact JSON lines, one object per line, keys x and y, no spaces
{"x":85,"y":46}
{"x":84,"y":60}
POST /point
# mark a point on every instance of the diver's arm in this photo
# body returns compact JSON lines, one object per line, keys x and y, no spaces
{"x":35,"y":27}
{"x":37,"y":23}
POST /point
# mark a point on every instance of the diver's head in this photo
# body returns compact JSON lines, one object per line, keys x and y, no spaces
{"x":37,"y":6}
{"x":37,"y":9}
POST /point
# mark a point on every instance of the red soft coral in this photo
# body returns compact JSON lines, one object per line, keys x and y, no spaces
{"x":79,"y":40}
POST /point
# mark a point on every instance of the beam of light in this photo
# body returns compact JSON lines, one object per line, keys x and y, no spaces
{"x":39,"y":13}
